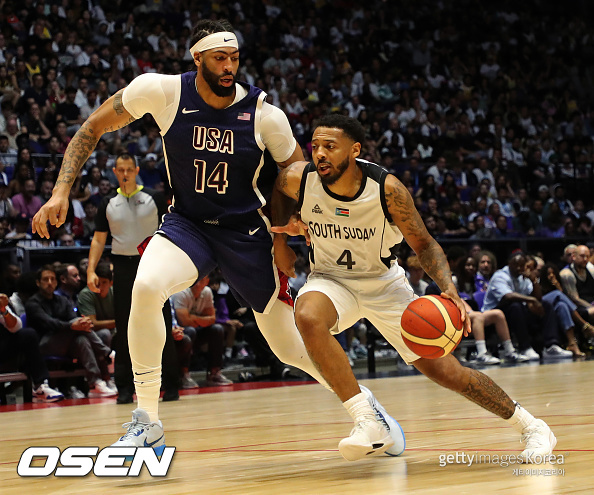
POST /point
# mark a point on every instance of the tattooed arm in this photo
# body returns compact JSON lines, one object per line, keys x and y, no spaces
{"x":431,"y":256}
{"x":285,"y":194}
{"x":109,"y":117}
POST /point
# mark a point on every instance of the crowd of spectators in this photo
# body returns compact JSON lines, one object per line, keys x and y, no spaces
{"x":486,"y":115}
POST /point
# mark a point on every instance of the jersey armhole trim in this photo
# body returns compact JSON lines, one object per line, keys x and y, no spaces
{"x":308,"y":168}
{"x":382,"y":184}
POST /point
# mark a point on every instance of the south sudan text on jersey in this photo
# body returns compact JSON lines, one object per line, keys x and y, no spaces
{"x":334,"y":231}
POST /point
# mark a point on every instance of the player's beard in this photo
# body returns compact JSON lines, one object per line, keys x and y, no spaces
{"x":212,"y":80}
{"x":332,"y":177}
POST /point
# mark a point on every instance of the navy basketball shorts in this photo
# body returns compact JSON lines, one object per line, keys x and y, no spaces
{"x":242,"y":252}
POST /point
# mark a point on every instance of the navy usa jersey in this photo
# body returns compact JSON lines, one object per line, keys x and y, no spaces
{"x":221,"y":153}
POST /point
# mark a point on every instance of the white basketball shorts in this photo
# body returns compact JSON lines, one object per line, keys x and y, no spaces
{"x":381,"y":300}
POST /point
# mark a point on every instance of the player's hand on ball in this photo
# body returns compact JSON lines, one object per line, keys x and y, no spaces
{"x":455,"y":298}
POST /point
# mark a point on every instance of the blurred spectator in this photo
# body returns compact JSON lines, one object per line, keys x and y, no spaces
{"x":26,"y":286}
{"x":23,"y":173}
{"x":195,"y":311}
{"x":99,"y":306}
{"x":515,"y":294}
{"x":20,"y":346}
{"x":565,"y":309}
{"x":66,"y":335}
{"x":415,"y":275}
{"x":69,"y":112}
{"x":231,"y":325}
{"x":9,"y":278}
{"x":578,"y":280}
{"x":25,"y":202}
{"x":8,"y":155}
{"x":151,"y":143}
{"x":68,"y":283}
{"x":149,"y":172}
{"x":6,"y":208}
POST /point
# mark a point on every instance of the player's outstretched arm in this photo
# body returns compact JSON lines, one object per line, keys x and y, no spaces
{"x":110,"y":116}
{"x":288,"y":183}
{"x":283,"y":202}
{"x":432,"y":258}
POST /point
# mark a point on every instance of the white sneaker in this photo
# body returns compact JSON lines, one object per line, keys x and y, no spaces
{"x":389,"y":423}
{"x":45,"y":393}
{"x":555,"y":352}
{"x":75,"y":393}
{"x":514,"y":357}
{"x":539,"y":440}
{"x":530,"y":354}
{"x":217,"y":380}
{"x":141,"y":432}
{"x":112,"y":386}
{"x":368,"y":438}
{"x":101,"y":390}
{"x":188,"y":382}
{"x":486,"y":358}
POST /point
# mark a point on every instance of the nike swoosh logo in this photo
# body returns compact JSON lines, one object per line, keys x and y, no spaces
{"x":252,"y":232}
{"x":150,"y":444}
{"x":145,"y":373}
{"x":225,"y":40}
{"x":185,"y":110}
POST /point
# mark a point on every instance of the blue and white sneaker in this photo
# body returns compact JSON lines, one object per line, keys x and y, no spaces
{"x":389,"y":422}
{"x":44,"y":393}
{"x":142,"y":432}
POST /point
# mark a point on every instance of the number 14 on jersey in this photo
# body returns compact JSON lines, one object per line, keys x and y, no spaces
{"x":217,"y":178}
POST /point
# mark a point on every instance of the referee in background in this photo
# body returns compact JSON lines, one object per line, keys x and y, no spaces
{"x":131,"y":214}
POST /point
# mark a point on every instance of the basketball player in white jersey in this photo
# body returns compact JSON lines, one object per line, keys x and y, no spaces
{"x":222,"y":144}
{"x":355,"y":214}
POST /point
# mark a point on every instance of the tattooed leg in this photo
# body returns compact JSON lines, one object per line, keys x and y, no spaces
{"x":472,"y":384}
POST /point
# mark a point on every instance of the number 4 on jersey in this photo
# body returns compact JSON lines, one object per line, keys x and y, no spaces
{"x":346,"y":259}
{"x":217,"y":179}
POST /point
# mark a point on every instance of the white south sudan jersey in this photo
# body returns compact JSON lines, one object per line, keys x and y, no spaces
{"x":350,"y":237}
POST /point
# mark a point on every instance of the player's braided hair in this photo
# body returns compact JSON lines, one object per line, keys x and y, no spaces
{"x":204,"y":27}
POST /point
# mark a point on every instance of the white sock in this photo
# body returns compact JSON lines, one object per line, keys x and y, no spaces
{"x":359,"y":408}
{"x":148,"y":390}
{"x":508,"y":347}
{"x":520,"y":419}
{"x":481,"y":347}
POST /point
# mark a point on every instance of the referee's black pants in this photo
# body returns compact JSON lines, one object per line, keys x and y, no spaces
{"x":124,"y":273}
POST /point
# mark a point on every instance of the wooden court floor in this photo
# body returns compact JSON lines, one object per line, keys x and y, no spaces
{"x":284,"y":440}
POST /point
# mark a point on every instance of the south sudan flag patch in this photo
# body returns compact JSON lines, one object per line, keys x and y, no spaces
{"x":342,"y":212}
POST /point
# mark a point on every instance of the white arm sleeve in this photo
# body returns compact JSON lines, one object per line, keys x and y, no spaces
{"x":157,"y":94}
{"x":277,"y":135}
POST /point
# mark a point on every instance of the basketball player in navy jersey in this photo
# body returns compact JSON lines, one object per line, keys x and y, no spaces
{"x":356,"y":214}
{"x":221,"y":141}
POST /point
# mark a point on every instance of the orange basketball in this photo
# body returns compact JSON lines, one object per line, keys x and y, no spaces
{"x":431,"y":326}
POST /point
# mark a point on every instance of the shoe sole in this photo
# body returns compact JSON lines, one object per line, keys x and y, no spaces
{"x":396,"y":449}
{"x":354,"y":452}
{"x":37,"y":400}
